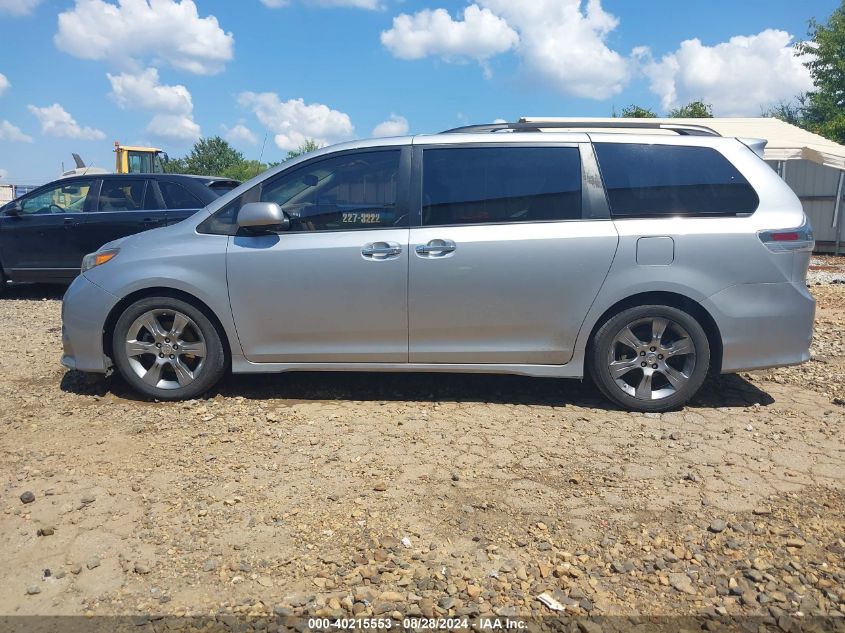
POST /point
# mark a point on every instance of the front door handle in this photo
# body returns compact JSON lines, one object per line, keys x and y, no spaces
{"x":436,"y":248}
{"x":381,"y":250}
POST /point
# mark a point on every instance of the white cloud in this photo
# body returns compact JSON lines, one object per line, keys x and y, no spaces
{"x":565,"y":46}
{"x":56,"y":121}
{"x":558,"y":43}
{"x":239,"y":134}
{"x":358,"y":4}
{"x":174,"y":127}
{"x":294,"y":121}
{"x":737,"y":77}
{"x":172,"y":106}
{"x":12,"y":133}
{"x":479,"y":35}
{"x":18,"y":7}
{"x":394,"y":126}
{"x":133,"y":31}
{"x":4,"y":83}
{"x":4,"y":173}
{"x":145,"y":92}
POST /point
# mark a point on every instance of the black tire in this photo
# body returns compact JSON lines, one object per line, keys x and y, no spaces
{"x":205,"y":375}
{"x":686,"y":370}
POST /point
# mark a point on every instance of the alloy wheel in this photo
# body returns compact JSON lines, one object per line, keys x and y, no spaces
{"x":165,"y":349}
{"x":652,"y":358}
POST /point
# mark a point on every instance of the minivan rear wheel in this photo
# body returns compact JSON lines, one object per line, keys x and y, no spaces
{"x":650,"y":358}
{"x":167,"y":349}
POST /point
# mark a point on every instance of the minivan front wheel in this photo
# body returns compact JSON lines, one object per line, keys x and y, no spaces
{"x":167,"y":349}
{"x":650,"y":358}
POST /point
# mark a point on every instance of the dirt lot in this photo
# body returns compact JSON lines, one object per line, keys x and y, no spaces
{"x":419,"y":494}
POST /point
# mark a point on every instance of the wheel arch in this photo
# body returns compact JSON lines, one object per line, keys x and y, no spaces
{"x":162,"y":291}
{"x":675,"y":300}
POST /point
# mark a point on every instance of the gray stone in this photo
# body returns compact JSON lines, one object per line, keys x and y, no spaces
{"x":682,"y":583}
{"x":27,"y":497}
{"x":142,"y":568}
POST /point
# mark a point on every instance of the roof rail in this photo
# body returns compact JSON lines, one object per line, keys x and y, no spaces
{"x":536,"y":124}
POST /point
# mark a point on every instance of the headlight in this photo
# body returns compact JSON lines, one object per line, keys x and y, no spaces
{"x":96,"y":259}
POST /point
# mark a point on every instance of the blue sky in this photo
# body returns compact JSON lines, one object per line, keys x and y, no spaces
{"x":162,"y":72}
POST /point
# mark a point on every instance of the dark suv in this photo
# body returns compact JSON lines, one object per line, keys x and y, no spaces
{"x":45,"y":234}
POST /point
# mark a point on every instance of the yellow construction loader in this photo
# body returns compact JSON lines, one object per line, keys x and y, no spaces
{"x":138,"y":160}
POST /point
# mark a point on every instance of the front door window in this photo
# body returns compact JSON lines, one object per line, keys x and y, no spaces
{"x":66,"y":198}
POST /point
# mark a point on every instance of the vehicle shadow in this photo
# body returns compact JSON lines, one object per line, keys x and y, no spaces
{"x":32,"y":292}
{"x":722,"y":391}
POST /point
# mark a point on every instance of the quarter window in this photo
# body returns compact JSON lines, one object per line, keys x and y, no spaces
{"x":501,"y":184}
{"x":66,"y":198}
{"x":121,"y":195}
{"x":177,"y":197}
{"x":347,"y":192}
{"x":663,"y":180}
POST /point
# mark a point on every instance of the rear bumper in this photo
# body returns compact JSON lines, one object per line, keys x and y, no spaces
{"x":85,"y":308}
{"x":763,"y":325}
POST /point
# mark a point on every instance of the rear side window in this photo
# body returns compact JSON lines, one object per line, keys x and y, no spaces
{"x":177,"y":197}
{"x":496,"y":185}
{"x":664,"y":180}
{"x":121,"y":195}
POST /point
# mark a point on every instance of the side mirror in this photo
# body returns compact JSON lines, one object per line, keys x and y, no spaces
{"x":263,"y":215}
{"x":13,"y":209}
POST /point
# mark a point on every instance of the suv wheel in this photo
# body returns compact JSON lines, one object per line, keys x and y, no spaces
{"x":650,"y":358}
{"x":167,"y":349}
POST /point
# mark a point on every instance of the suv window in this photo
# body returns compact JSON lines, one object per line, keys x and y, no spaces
{"x":121,"y":195}
{"x":66,"y":198}
{"x":501,"y":184}
{"x":224,"y":186}
{"x":177,"y":197}
{"x":347,"y":192}
{"x":657,"y":180}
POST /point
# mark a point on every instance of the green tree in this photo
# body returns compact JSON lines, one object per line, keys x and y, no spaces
{"x":176,"y":166}
{"x":212,"y":157}
{"x":245,"y":170}
{"x":636,"y":112}
{"x":789,"y":111}
{"x":693,"y":110}
{"x":309,"y":145}
{"x":825,"y":108}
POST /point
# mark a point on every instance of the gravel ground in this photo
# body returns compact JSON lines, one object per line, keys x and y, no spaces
{"x":340,"y":494}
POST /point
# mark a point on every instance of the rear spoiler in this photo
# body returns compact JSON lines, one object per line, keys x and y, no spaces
{"x":756,"y":145}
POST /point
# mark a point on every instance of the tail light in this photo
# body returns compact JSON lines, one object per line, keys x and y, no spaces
{"x":795,"y":240}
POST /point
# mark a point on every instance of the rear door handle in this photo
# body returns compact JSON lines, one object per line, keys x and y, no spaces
{"x":436,"y":248}
{"x":381,"y":250}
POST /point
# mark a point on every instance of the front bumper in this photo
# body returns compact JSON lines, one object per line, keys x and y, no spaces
{"x":763,"y":325}
{"x":85,"y":308}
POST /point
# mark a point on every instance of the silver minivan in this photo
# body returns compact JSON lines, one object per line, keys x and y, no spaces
{"x":644,"y":257}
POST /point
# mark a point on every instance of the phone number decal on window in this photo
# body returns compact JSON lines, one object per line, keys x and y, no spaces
{"x":362,"y":218}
